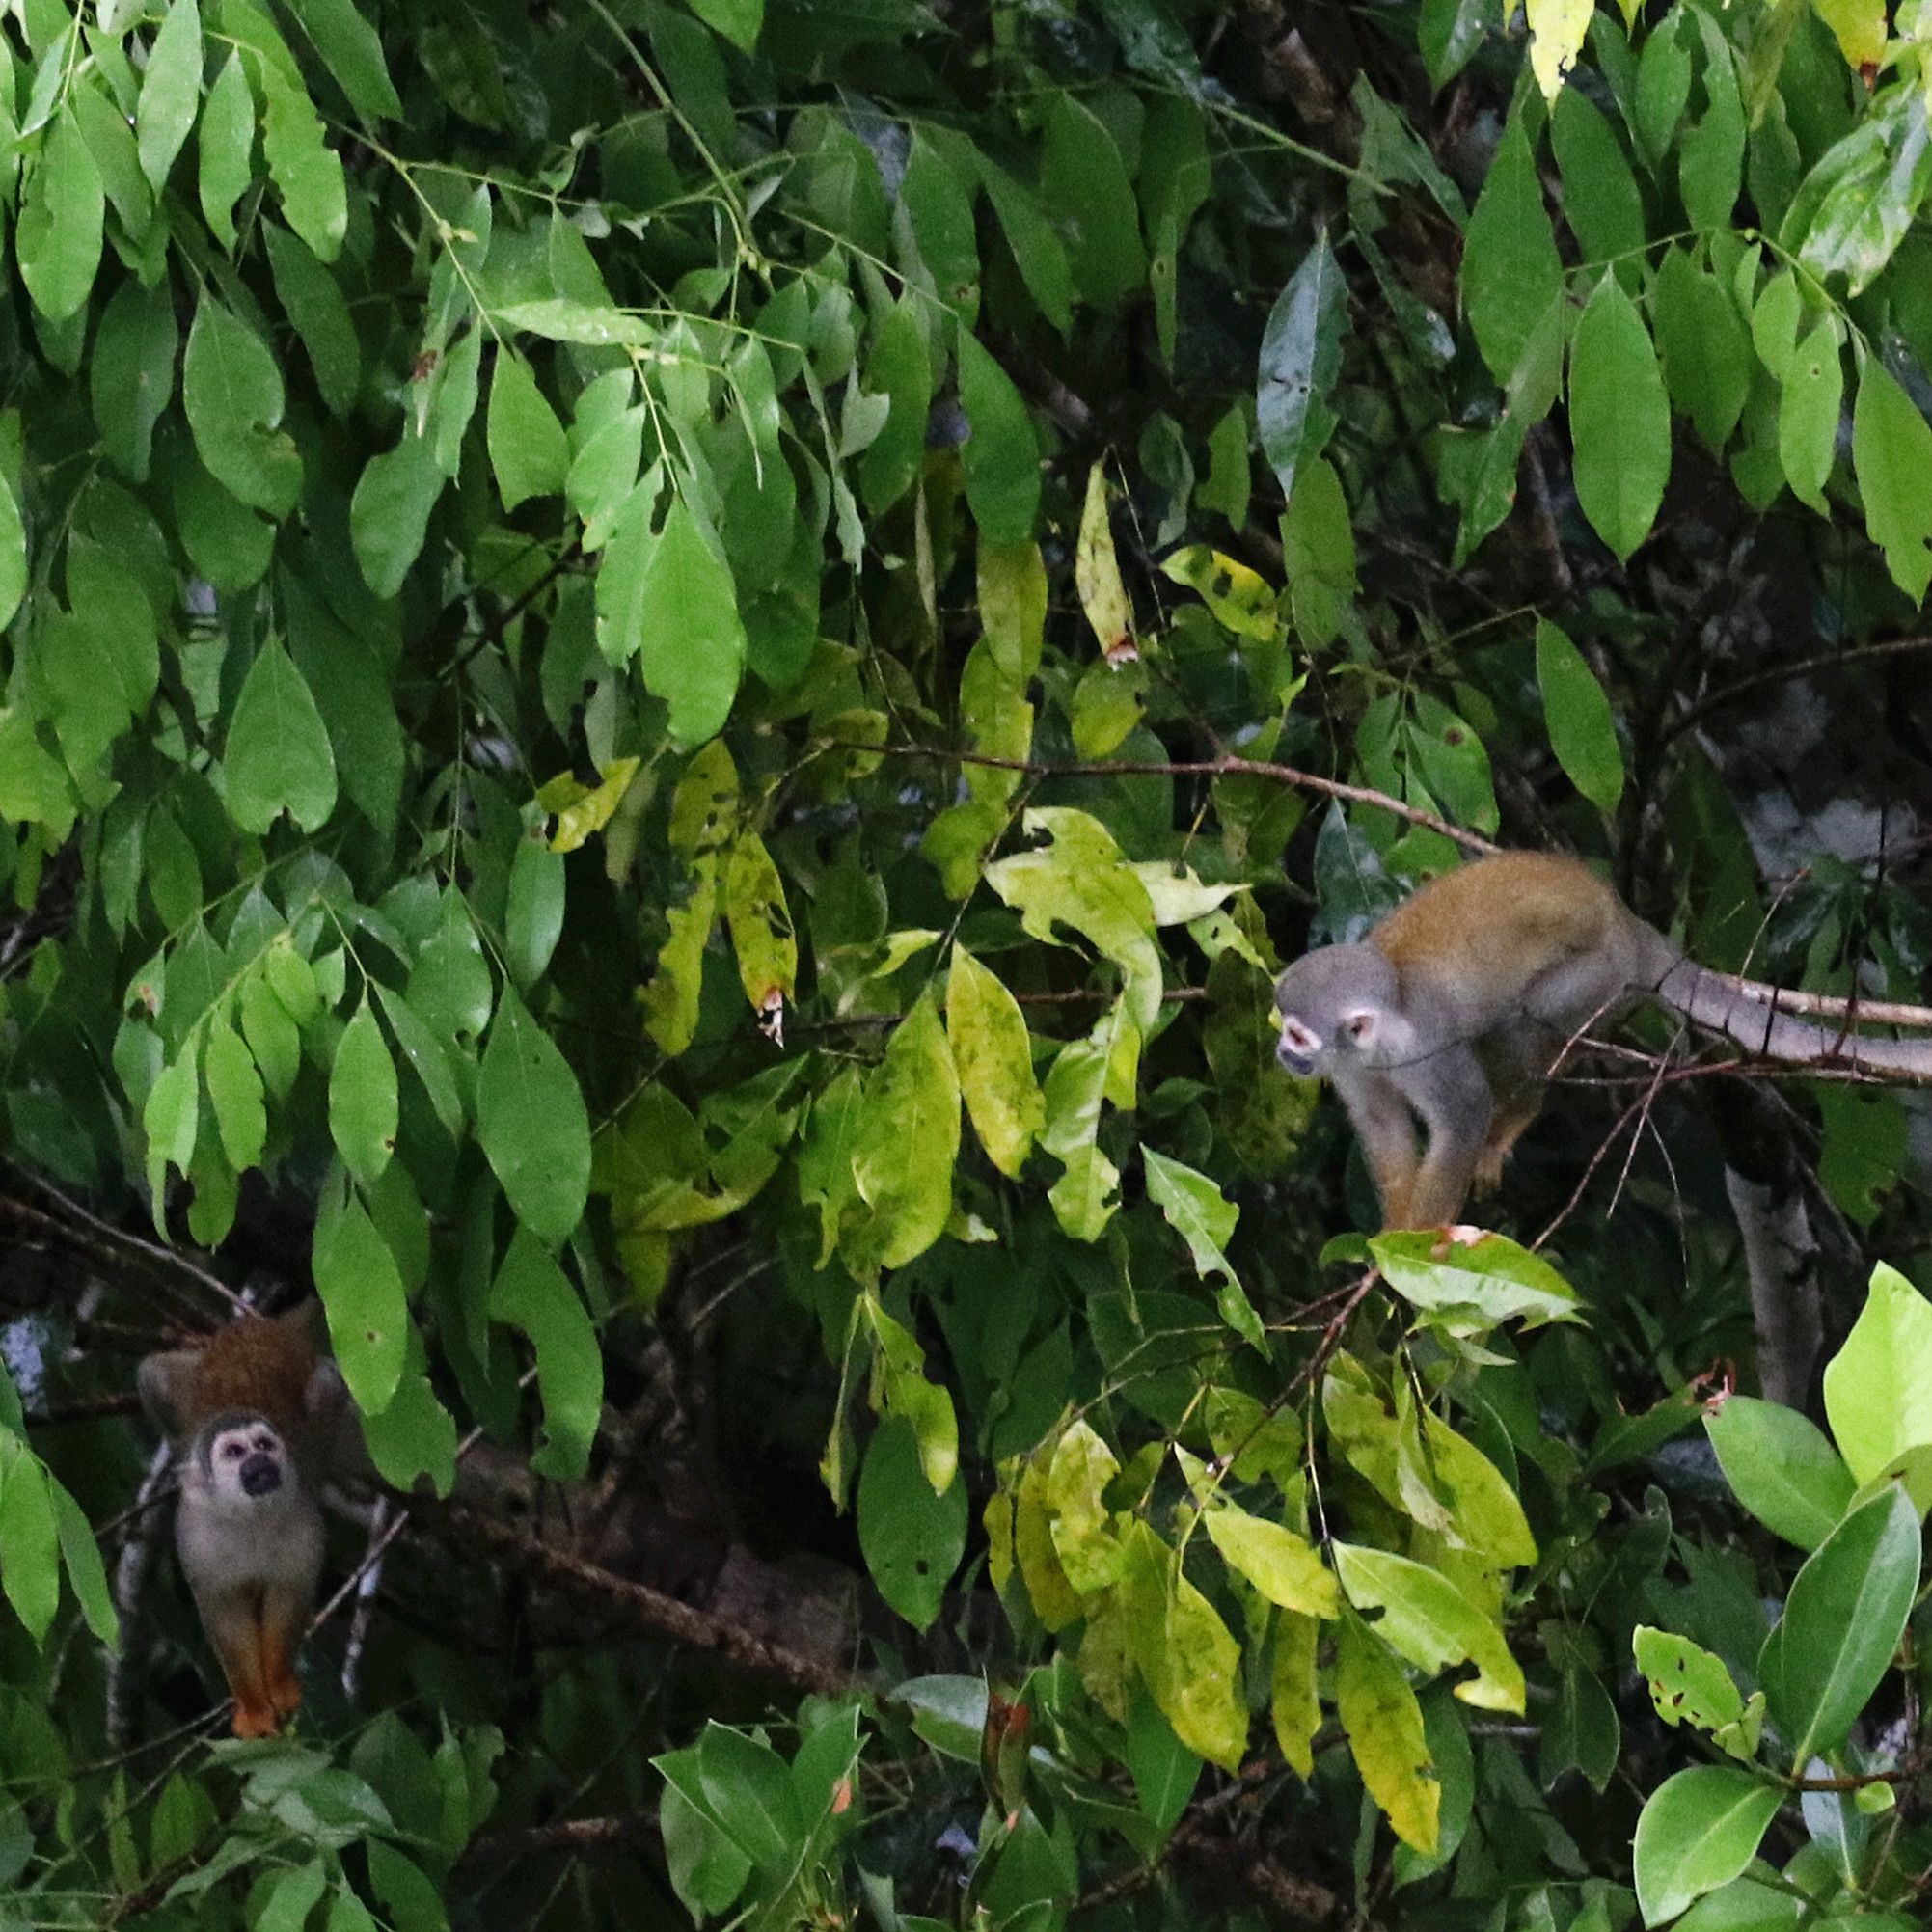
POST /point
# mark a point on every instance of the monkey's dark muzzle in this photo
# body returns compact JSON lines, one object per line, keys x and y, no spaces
{"x":261,"y":1475}
{"x":1302,"y":1064}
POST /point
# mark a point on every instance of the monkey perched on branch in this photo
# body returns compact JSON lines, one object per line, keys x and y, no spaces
{"x":258,"y":1418}
{"x":1458,"y":1004}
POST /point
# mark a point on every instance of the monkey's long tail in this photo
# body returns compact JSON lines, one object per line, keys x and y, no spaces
{"x":1755,"y":1020}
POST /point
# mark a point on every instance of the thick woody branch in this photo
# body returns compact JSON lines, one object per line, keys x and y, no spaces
{"x":649,"y":1609}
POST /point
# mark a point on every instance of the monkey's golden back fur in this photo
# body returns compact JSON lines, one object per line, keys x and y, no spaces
{"x":1488,"y":926}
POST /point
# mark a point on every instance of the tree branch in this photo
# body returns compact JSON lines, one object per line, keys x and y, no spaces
{"x":1188,"y":767}
{"x":651,"y":1608}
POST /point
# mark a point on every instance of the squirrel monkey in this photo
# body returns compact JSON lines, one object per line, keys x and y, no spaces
{"x":1458,"y":1003}
{"x":258,"y":1417}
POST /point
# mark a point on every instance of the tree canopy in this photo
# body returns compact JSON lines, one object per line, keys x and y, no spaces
{"x":675,"y":676}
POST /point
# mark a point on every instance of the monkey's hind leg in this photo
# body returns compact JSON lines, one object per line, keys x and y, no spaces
{"x":283,"y":1615}
{"x":1505,"y":1130}
{"x":233,"y":1623}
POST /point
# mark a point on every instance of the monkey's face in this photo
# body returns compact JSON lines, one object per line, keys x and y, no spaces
{"x":247,"y":1461}
{"x":1336,"y":1004}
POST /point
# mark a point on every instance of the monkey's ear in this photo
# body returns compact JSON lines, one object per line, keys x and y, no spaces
{"x":165,"y":1381}
{"x":1361,"y":1025}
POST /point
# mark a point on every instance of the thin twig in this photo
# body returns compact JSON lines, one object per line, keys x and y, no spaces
{"x":1185,"y":767}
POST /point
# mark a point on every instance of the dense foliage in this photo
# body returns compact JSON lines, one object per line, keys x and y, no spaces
{"x":676,"y":675}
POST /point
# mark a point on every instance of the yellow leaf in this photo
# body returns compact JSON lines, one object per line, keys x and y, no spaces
{"x":1097,"y":575}
{"x":579,"y":810}
{"x":1559,"y":27}
{"x":1860,"y":27}
{"x":1296,"y":1709}
{"x":1383,"y":1721}
{"x":1055,"y":1601}
{"x":988,"y":1036}
{"x":761,"y":925}
{"x":1012,"y":608}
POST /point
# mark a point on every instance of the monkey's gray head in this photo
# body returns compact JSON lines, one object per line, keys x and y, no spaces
{"x":244,"y":1458}
{"x":1339,"y":1002}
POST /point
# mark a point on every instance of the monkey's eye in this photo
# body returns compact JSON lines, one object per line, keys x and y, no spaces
{"x":232,"y":1450}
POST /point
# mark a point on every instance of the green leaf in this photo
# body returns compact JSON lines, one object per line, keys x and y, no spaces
{"x":1492,"y":1274}
{"x":1619,"y":420}
{"x":911,"y":1539}
{"x":1203,"y":1217}
{"x":169,"y":1120}
{"x":529,"y":449}
{"x":1384,"y":1727}
{"x":278,"y":756}
{"x":1858,"y":202}
{"x":12,"y":564}
{"x":532,"y":1294}
{"x":1878,"y":1388}
{"x":534,"y":916}
{"x":1083,"y":179}
{"x":1807,"y":414}
{"x":1704,"y":346}
{"x":363,"y":1098}
{"x":1781,"y":1468}
{"x":231,"y":391}
{"x":897,"y":366}
{"x":1511,"y":271}
{"x":58,"y":239}
{"x":170,"y":91}
{"x":85,"y":1569}
{"x":1176,"y":179}
{"x":272,"y":1039}
{"x":740,"y":22}
{"x":938,"y":208}
{"x":131,"y":372}
{"x":425,"y":1054}
{"x":1300,"y":357}
{"x":532,"y":1122}
{"x":1710,"y":164}
{"x":313,"y":300}
{"x":350,"y":683}
{"x":748,"y":1789}
{"x":349,"y":46}
{"x":1165,"y":1772}
{"x":29,"y":1538}
{"x":1001,"y":453}
{"x":234,"y":1090}
{"x":389,"y":515}
{"x":907,"y":1140}
{"x":668,"y":600}
{"x":1891,"y":450}
{"x":361,"y":1292}
{"x":1691,"y":1685}
{"x":1842,"y":1621}
{"x":1582,"y":733}
{"x":226,"y":143}
{"x":1696,"y":1831}
{"x":1599,"y":193}
{"x":1663,"y":89}
{"x":1318,"y":552}
{"x":986,"y":1033}
{"x":306,"y":170}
